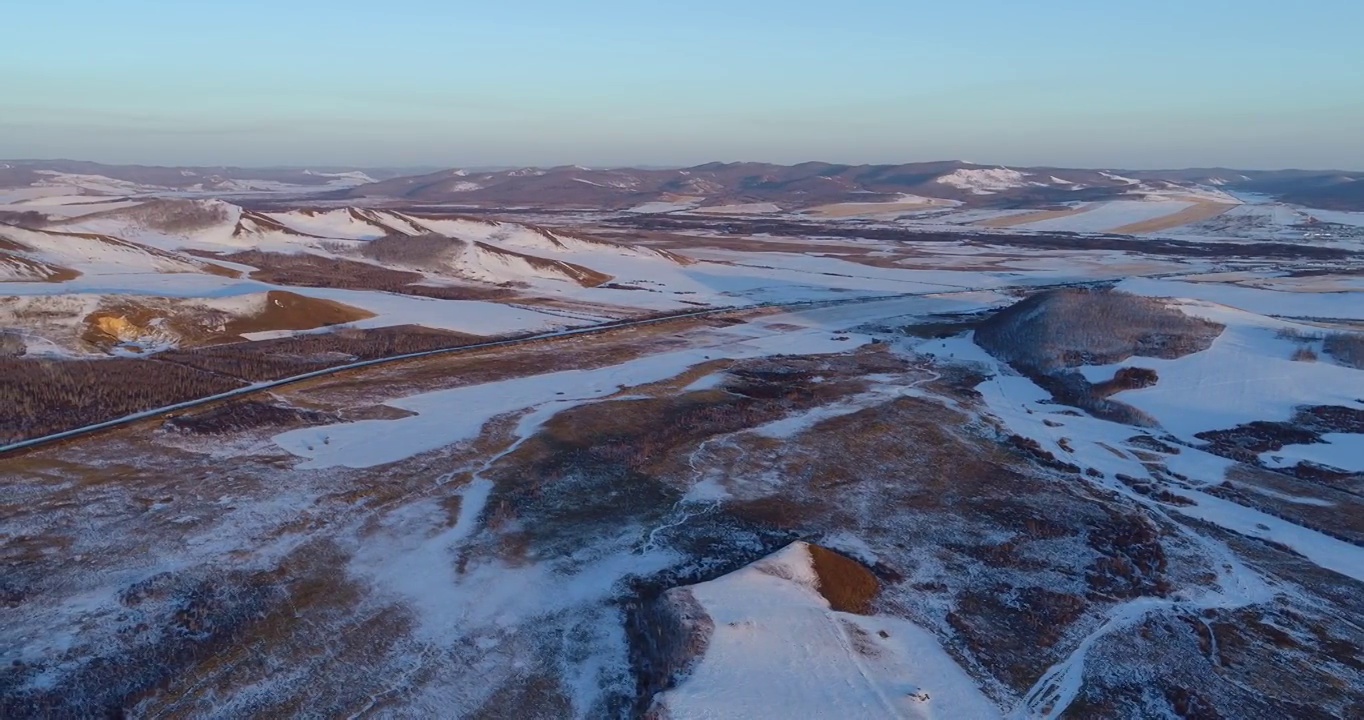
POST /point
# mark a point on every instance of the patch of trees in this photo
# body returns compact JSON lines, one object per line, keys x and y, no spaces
{"x":1047,"y":334}
{"x":1346,"y":348}
{"x":284,"y":357}
{"x":43,"y":396}
{"x":413,"y":251}
{"x":1073,"y":327}
{"x":176,"y":215}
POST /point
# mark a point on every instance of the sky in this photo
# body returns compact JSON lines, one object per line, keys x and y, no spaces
{"x":1257,"y":84}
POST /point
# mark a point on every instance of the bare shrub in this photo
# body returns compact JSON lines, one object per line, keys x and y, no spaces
{"x":1297,"y":334}
{"x":245,"y":414}
{"x":12,"y":344}
{"x":1305,"y":354}
{"x":1128,"y":378}
{"x":1346,"y":348}
{"x":336,"y":247}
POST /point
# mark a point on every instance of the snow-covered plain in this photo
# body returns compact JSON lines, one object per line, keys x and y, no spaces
{"x":450,"y":416}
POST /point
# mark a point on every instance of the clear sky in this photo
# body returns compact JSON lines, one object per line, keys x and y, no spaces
{"x":1157,"y":83}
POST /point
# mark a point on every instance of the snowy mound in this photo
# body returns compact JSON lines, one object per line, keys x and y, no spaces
{"x":778,"y":649}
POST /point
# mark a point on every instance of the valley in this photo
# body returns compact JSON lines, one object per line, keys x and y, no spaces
{"x":919,"y":441}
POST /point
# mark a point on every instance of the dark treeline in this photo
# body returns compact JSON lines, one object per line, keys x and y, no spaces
{"x":284,"y":357}
{"x":41,"y":396}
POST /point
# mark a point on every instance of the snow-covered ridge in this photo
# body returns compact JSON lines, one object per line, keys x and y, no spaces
{"x":984,"y":182}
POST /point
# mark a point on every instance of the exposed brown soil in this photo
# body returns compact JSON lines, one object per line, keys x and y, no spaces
{"x":219,"y":270}
{"x":9,"y":245}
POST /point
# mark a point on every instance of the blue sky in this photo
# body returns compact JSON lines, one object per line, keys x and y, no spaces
{"x":1250,"y":83}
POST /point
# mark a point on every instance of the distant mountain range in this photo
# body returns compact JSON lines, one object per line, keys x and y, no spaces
{"x":713,"y":184}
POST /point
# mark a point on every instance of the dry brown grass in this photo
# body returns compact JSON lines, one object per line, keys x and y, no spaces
{"x":192,"y":325}
{"x":220,"y":271}
{"x":1305,"y":354}
{"x":290,"y":311}
{"x":1198,"y":213}
{"x":843,"y":210}
{"x":844,"y":582}
{"x":1009,"y":221}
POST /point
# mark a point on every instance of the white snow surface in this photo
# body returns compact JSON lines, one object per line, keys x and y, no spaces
{"x":94,"y":255}
{"x":1248,"y":374}
{"x":1343,"y":451}
{"x":778,"y":650}
{"x":1346,"y":305}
